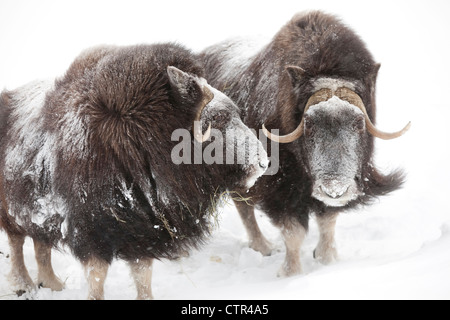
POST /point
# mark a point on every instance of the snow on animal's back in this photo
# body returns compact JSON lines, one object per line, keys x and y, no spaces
{"x":236,"y":54}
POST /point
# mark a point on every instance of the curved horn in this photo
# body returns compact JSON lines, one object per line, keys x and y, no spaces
{"x":350,"y":96}
{"x":198,"y":134}
{"x":319,"y":96}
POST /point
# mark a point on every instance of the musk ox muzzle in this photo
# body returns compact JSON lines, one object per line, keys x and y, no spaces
{"x":334,"y":128}
{"x":333,"y":149}
{"x":336,"y":192}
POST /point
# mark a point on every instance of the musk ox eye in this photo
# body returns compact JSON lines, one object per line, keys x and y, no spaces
{"x":309,"y":125}
{"x":221,"y":117}
{"x":359,"y":123}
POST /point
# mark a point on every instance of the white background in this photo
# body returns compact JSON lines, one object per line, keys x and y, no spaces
{"x":399,"y":248}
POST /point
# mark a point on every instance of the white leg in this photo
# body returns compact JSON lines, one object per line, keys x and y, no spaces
{"x":19,"y":273}
{"x":46,"y":275}
{"x":325,"y":251}
{"x":96,"y":270}
{"x":257,"y":241}
{"x":293,"y":234}
{"x":141,"y":270}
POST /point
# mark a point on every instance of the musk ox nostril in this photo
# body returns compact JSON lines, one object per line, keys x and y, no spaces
{"x":263,"y":164}
{"x":334,"y":193}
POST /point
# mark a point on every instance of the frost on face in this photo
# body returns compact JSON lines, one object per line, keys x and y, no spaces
{"x":334,"y":106}
{"x":333,"y":84}
{"x":334,"y":151}
{"x":242,"y":145}
{"x":244,"y":148}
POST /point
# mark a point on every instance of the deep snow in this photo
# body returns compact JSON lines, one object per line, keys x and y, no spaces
{"x":397,"y":248}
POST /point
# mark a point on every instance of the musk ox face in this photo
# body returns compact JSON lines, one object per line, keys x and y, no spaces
{"x":227,"y":143}
{"x":334,"y":140}
{"x":238,"y":145}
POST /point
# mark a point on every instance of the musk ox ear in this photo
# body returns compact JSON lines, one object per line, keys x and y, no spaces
{"x":188,"y":87}
{"x":4,"y":99}
{"x":295,"y":73}
{"x":4,"y":109}
{"x":374,"y":73}
{"x":194,"y":91}
{"x":376,"y":68}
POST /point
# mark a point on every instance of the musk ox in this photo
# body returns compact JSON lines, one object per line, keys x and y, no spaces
{"x":86,"y":163}
{"x":315,"y":82}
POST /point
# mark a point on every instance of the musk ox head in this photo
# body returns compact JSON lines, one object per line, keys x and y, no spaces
{"x":335,"y":134}
{"x":227,"y":145}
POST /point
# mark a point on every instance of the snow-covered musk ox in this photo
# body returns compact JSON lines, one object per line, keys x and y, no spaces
{"x":315,"y":81}
{"x":86,"y":162}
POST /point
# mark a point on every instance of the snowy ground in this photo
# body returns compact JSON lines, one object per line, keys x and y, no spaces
{"x":399,"y":248}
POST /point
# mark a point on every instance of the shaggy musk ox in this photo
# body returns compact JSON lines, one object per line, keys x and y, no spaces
{"x":315,"y":82}
{"x":86,"y":162}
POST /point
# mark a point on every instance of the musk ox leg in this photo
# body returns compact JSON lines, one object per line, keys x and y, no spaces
{"x":95,"y":270}
{"x":46,"y":275}
{"x":257,"y":241}
{"x":325,"y":251}
{"x":293,"y":234}
{"x":141,"y":271}
{"x":19,"y":273}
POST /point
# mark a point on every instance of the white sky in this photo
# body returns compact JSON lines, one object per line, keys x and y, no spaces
{"x":39,"y":38}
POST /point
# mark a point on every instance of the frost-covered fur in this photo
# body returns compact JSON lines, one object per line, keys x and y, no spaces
{"x":86,"y":162}
{"x":272,"y":86}
{"x":333,"y":148}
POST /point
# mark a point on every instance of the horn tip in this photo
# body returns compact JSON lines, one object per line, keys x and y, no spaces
{"x":203,"y":137}
{"x":406,"y":128}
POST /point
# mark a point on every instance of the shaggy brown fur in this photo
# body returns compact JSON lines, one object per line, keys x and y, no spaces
{"x":272,"y":92}
{"x":86,"y":161}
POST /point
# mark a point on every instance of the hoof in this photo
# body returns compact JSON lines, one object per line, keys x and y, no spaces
{"x":289,"y":270}
{"x":262,"y":246}
{"x":325,"y":256}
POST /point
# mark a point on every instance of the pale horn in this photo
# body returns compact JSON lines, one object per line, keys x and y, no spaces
{"x":319,"y":96}
{"x":198,"y":134}
{"x":350,"y":96}
{"x":344,"y":94}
